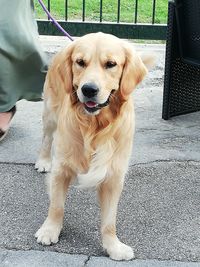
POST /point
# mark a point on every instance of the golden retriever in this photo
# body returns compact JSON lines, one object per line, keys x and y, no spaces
{"x":89,"y":118}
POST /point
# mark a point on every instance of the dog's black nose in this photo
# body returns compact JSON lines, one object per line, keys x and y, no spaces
{"x":90,"y":90}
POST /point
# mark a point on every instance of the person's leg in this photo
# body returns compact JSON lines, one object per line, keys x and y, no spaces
{"x":23,"y":64}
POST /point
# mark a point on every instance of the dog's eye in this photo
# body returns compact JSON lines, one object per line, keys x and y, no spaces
{"x":81,"y":62}
{"x":110,"y":64}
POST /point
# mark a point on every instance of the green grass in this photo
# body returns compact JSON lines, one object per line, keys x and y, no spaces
{"x":109,"y":10}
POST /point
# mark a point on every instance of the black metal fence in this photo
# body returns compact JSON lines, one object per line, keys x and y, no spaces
{"x":79,"y":22}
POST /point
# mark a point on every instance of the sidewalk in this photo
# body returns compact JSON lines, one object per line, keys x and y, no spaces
{"x":158,"y":215}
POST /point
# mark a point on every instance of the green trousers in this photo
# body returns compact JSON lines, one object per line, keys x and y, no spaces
{"x":23,"y":64}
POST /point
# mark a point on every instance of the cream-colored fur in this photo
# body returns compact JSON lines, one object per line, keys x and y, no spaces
{"x":93,"y":146}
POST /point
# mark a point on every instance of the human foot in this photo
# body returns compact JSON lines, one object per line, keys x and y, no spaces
{"x":5,"y":119}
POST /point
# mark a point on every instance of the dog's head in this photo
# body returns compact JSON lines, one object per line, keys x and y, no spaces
{"x":98,"y":67}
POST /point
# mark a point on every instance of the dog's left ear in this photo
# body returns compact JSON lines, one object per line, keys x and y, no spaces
{"x":133,"y":72}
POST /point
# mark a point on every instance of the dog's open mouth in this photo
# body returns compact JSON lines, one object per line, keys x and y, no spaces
{"x":92,"y":106}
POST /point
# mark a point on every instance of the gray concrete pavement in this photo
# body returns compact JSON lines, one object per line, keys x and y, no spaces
{"x":44,"y":259}
{"x":158,"y":214}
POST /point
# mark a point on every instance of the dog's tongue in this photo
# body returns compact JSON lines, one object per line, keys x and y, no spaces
{"x":91,"y":104}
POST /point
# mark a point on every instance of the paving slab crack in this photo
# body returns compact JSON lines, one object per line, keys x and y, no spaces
{"x":17,"y":163}
{"x":164,"y":161}
{"x":4,"y":256}
{"x":87,"y":260}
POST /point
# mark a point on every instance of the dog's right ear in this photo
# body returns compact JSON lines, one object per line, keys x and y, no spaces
{"x":62,"y":69}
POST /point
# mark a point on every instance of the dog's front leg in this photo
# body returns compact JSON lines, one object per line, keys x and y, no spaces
{"x":109,"y":194}
{"x":43,"y":163}
{"x":59,"y":182}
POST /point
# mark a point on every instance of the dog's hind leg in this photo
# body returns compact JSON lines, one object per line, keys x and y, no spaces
{"x":60,"y":178}
{"x":43,"y":163}
{"x":109,"y":194}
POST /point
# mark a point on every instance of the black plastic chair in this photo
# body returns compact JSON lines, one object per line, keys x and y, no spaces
{"x":182,"y":63}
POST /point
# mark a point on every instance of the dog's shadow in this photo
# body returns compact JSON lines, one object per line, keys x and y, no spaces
{"x":79,"y":238}
{"x":81,"y":228}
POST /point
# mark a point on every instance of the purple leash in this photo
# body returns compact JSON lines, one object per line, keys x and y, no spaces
{"x":54,"y":21}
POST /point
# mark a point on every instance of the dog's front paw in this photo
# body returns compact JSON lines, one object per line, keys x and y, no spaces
{"x":43,"y":165}
{"x":119,"y":251}
{"x":48,"y":233}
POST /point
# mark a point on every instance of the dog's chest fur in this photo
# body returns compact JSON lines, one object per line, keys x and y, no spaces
{"x":89,"y":154}
{"x":90,"y":150}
